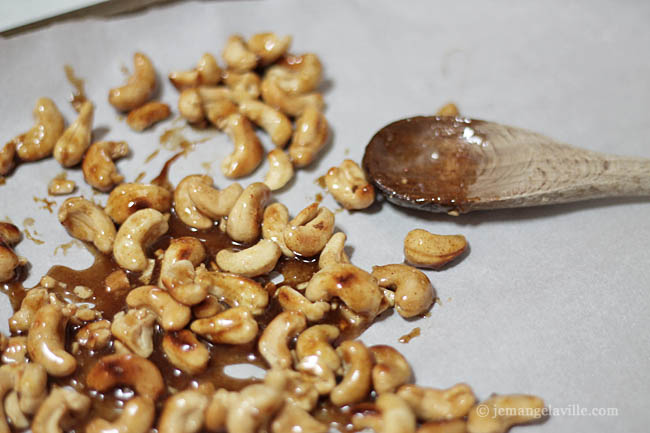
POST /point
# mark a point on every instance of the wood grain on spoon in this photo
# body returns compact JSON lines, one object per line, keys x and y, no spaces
{"x":444,"y":164}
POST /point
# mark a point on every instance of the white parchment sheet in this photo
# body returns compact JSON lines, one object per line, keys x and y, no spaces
{"x":551,"y":301}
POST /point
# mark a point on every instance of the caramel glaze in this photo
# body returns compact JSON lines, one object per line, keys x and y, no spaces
{"x":108,"y":405}
{"x":425,"y":163}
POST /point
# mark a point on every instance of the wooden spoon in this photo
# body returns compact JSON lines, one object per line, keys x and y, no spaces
{"x":458,"y":165}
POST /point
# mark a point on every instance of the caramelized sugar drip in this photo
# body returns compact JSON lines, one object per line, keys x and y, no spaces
{"x":78,"y":97}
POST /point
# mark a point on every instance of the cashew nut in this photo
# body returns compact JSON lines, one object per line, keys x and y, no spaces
{"x":128,"y":198}
{"x":183,"y":413}
{"x":275,"y":220}
{"x":234,"y":290}
{"x":16,"y":417}
{"x":94,"y":336}
{"x":391,"y":369}
{"x":294,"y":387}
{"x":428,"y":250}
{"x":138,"y":88}
{"x":396,"y":416}
{"x":349,"y":186}
{"x":98,"y":167}
{"x":185,"y":351}
{"x":309,"y":231}
{"x":273,"y":343}
{"x":244,"y":86}
{"x":233,"y":326}
{"x":292,"y":300}
{"x":248,"y":151}
{"x":7,"y":157}
{"x":88,"y":222}
{"x":134,"y":371}
{"x":39,"y":141}
{"x":309,"y":137}
{"x":210,"y":306}
{"x":177,"y":270}
{"x":357,"y":367}
{"x":147,"y":115}
{"x":294,"y":418}
{"x":61,"y":186}
{"x":503,"y":412}
{"x":414,"y":293}
{"x":190,"y":106}
{"x":217,"y":103}
{"x":292,"y":105}
{"x":198,"y":203}
{"x":268,"y":47}
{"x":237,"y":55}
{"x":9,"y":261}
{"x":260,"y":259}
{"x":137,"y":233}
{"x":31,"y":388}
{"x":136,"y":417}
{"x":280,"y":170}
{"x":134,"y":329}
{"x":453,"y":426}
{"x":70,"y":147}
{"x":16,"y":350}
{"x":354,"y":286}
{"x":170,"y":314}
{"x":245,"y":217}
{"x":334,"y":251}
{"x":207,"y":72}
{"x":46,"y":341}
{"x":117,"y":282}
{"x":251,"y":408}
{"x":431,"y":404}
{"x":61,"y":404}
{"x":297,"y":74}
{"x":276,"y":124}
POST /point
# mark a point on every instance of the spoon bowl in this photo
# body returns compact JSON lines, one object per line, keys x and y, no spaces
{"x":459,"y":165}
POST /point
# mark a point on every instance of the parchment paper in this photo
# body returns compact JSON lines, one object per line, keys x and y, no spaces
{"x":550,"y":301}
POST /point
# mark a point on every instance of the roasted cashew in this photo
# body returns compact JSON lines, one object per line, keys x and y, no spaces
{"x":207,"y":72}
{"x":7,"y":383}
{"x":349,"y":186}
{"x":268,"y":47}
{"x":500,"y":412}
{"x":294,"y":418}
{"x":248,"y":151}
{"x":244,"y":86}
{"x":297,"y":74}
{"x":183,"y":413}
{"x":292,"y":105}
{"x":292,"y":300}
{"x":117,"y":282}
{"x":260,"y":259}
{"x":70,"y":147}
{"x":185,"y":351}
{"x":275,"y":220}
{"x":46,"y":341}
{"x":354,"y":286}
{"x":217,"y":103}
{"x":138,"y":232}
{"x":431,"y":404}
{"x":414,"y":293}
{"x":170,"y":314}
{"x":136,"y":417}
{"x":198,"y":203}
{"x":61,"y":186}
{"x":357,"y":367}
{"x":273,"y":343}
{"x":294,"y":387}
{"x":237,"y":55}
{"x":190,"y":106}
{"x":9,"y":234}
{"x":251,"y":408}
{"x":57,"y":407}
{"x":9,"y":261}
{"x":334,"y":251}
{"x":276,"y":124}
{"x":95,"y":335}
{"x":177,"y":270}
{"x":396,"y":416}
{"x":88,"y":222}
{"x":31,"y":388}
{"x":98,"y":167}
{"x":16,"y":350}
{"x":245,"y":217}
{"x":428,"y":250}
{"x":309,"y":137}
{"x":210,"y":306}
{"x":134,"y":371}
{"x":147,"y":115}
{"x":310,"y":230}
{"x":15,"y":416}
{"x":233,"y":326}
{"x":128,"y":198}
{"x":316,"y":342}
{"x":138,"y":88}
{"x":234,"y":290}
{"x":391,"y":369}
{"x":39,"y":141}
{"x":280,"y":169}
{"x":135,"y":330}
{"x":7,"y":157}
